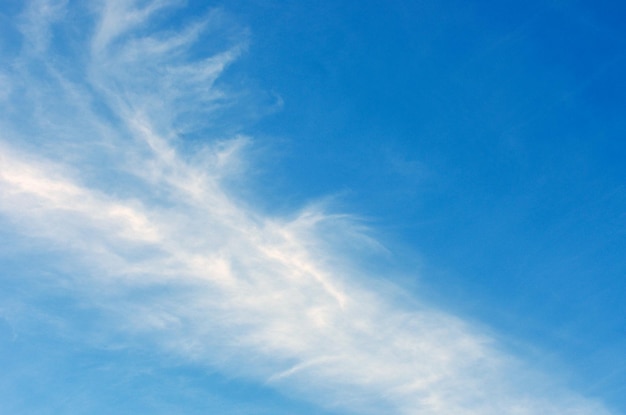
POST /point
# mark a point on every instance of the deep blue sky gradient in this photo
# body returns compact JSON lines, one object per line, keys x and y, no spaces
{"x":489,"y":137}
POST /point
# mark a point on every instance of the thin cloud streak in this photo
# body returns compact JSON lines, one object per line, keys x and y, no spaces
{"x":253,"y":296}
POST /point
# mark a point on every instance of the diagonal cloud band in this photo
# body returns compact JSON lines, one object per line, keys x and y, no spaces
{"x":254,"y":296}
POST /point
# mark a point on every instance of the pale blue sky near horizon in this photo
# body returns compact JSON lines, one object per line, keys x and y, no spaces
{"x":479,"y":146}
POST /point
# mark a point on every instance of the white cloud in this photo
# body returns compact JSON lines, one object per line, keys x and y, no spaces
{"x":254,"y":296}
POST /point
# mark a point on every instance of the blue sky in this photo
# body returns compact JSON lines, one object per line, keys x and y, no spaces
{"x":312,"y":207}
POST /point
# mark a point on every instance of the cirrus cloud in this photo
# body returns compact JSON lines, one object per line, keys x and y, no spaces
{"x":92,"y":161}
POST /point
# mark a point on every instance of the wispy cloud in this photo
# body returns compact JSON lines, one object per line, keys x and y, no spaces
{"x":91,"y":159}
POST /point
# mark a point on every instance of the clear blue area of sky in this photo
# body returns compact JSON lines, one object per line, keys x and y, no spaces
{"x":489,"y":137}
{"x":484,"y":142}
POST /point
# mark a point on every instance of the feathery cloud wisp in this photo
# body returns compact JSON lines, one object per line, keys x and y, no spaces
{"x":91,"y":159}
